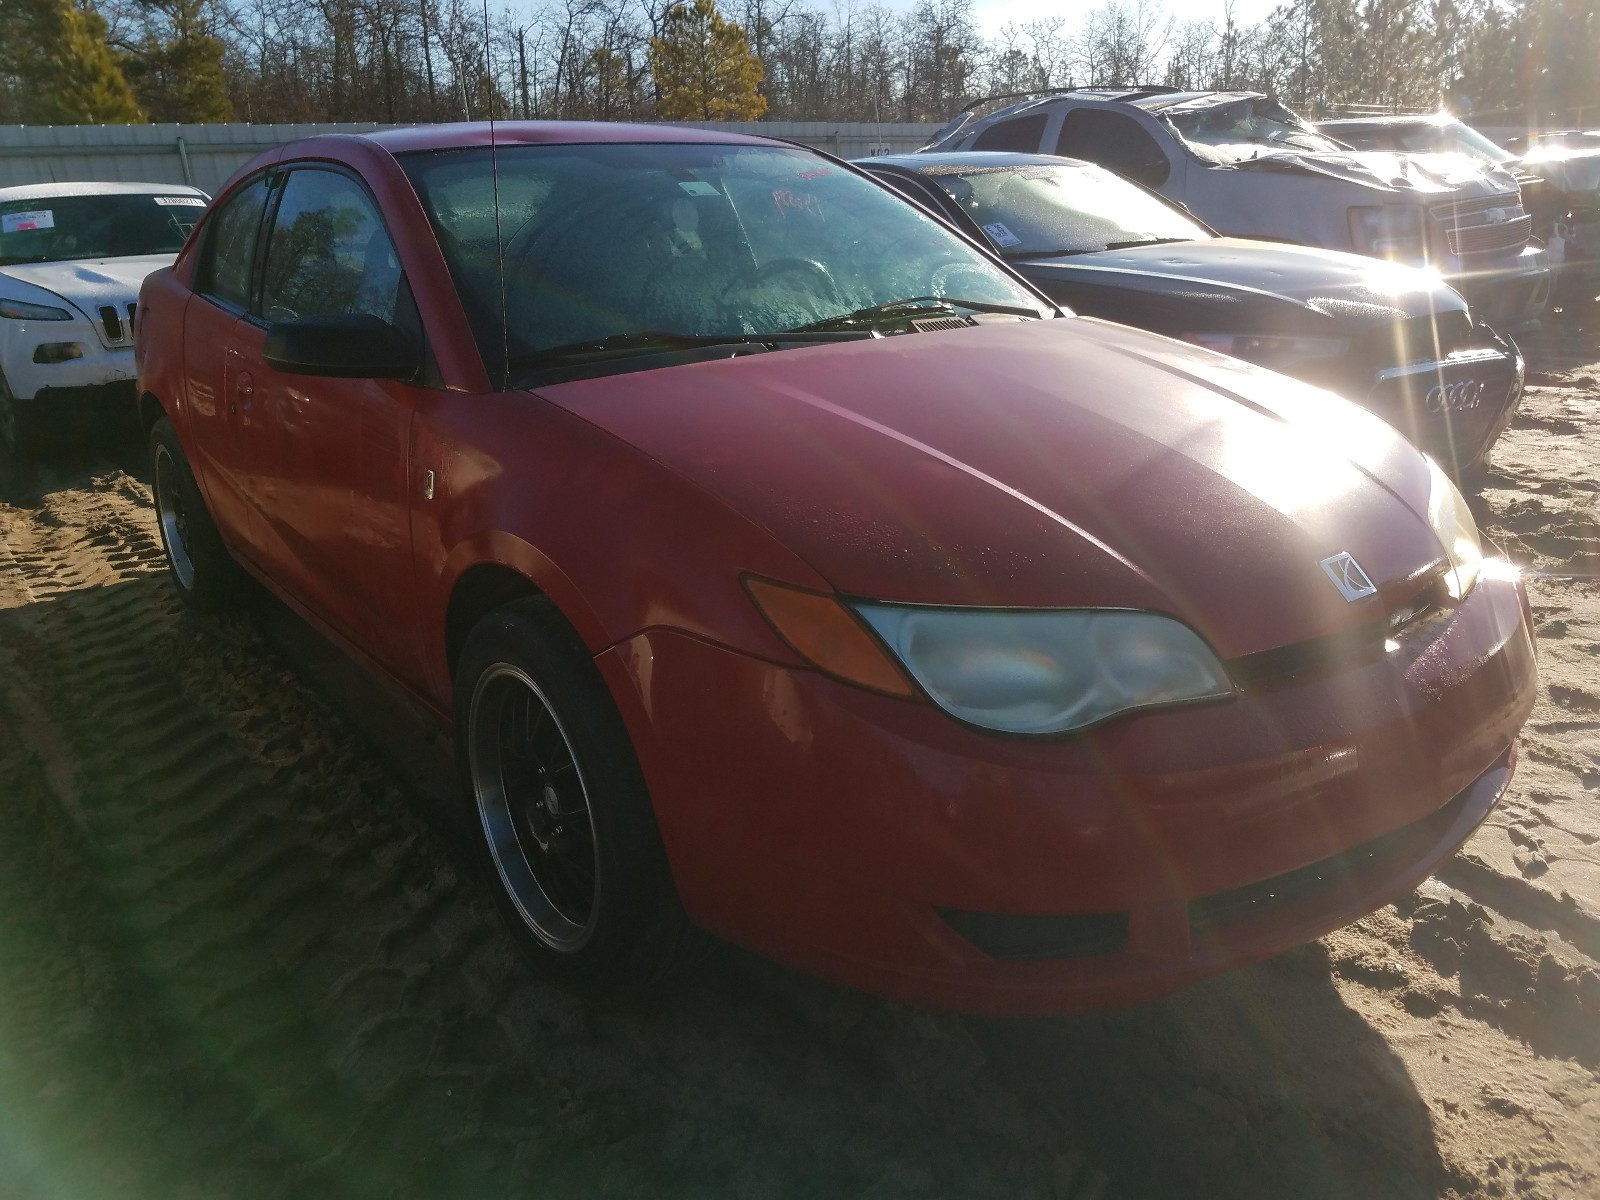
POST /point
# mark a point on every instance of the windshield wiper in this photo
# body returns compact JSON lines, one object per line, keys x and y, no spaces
{"x":911,"y":306}
{"x":24,"y":259}
{"x":653,"y":341}
{"x":1131,"y":242}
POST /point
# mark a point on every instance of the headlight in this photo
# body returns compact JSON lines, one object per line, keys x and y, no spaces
{"x":1388,"y":233}
{"x":1025,"y":671}
{"x":1453,"y":525}
{"x":18,"y":311}
{"x":1270,"y":349}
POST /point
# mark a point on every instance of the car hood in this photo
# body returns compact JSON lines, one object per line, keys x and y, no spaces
{"x":1068,"y":463}
{"x":1569,"y":171}
{"x":1347,"y":287}
{"x":1419,"y":173}
{"x":89,"y":283}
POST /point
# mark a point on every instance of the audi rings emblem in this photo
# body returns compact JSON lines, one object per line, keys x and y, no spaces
{"x":1460,"y":396}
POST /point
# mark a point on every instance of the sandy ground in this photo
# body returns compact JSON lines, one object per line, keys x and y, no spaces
{"x":241,"y":956}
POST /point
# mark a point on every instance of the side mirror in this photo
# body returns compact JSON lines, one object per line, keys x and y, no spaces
{"x":356,"y":346}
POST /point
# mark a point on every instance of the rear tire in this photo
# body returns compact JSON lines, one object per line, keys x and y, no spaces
{"x":203,"y":572}
{"x":559,"y":810}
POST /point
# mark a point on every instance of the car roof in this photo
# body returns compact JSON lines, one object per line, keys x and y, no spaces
{"x":947,"y":162}
{"x":50,"y":191}
{"x":1152,"y":98}
{"x":459,"y":134}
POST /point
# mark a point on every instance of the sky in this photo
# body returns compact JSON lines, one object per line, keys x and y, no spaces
{"x":993,"y":14}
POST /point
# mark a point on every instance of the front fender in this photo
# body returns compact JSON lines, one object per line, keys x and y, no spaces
{"x":618,"y":542}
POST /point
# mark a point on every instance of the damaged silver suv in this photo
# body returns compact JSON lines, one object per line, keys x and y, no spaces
{"x":1248,"y":167}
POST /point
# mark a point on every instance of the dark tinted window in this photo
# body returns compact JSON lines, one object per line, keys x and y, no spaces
{"x":329,"y":254}
{"x":1113,"y":140}
{"x":225,"y":272}
{"x":1021,"y":135}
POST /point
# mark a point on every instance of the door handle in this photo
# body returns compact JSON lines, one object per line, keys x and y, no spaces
{"x":244,"y":387}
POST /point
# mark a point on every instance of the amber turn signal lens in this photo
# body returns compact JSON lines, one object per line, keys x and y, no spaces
{"x":823,"y":631}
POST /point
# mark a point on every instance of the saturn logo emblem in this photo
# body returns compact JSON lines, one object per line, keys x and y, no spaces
{"x":1348,"y":576}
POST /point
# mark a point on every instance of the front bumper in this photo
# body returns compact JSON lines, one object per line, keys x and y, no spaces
{"x":1509,"y":294}
{"x":850,"y":834}
{"x":93,"y":391}
{"x":1577,"y":241}
{"x":1456,"y":407}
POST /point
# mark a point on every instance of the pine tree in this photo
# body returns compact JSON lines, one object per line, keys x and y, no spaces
{"x":59,"y":67}
{"x":177,"y":68}
{"x":704,"y":68}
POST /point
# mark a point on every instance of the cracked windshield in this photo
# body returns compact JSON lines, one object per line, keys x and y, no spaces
{"x":1237,"y":129}
{"x":605,"y":242}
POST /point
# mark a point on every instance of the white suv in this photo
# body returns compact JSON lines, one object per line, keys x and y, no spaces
{"x":1248,"y":167}
{"x":72,"y":257}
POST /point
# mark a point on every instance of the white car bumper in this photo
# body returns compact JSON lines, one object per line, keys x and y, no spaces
{"x":97,"y":376}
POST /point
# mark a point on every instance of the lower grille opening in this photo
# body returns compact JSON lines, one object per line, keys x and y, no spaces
{"x":1072,"y":935}
{"x":1255,"y":899}
{"x":1351,"y":647}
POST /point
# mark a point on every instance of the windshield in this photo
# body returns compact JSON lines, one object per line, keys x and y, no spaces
{"x":1242,"y":129}
{"x":1423,"y":137}
{"x":698,"y":241}
{"x":1455,"y":138}
{"x":1063,"y":210}
{"x":1545,"y":147}
{"x":58,"y":228}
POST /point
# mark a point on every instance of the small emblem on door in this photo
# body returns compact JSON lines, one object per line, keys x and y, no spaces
{"x":1348,"y":576}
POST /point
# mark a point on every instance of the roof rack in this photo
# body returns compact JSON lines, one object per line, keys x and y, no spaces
{"x":1134,"y":89}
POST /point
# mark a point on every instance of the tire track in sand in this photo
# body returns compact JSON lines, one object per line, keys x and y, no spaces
{"x":317,"y":1001}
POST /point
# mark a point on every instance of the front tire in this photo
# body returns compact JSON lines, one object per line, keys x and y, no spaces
{"x":17,"y":435}
{"x":203,"y":572}
{"x":559,"y":809}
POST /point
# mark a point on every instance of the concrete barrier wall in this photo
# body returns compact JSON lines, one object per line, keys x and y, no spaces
{"x":205,"y":155}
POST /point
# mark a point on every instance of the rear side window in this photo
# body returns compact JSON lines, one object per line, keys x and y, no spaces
{"x":329,"y":254}
{"x":1022,"y":136}
{"x":1113,"y":140}
{"x":225,"y":270}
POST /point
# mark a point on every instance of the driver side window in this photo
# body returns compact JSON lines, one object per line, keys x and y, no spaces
{"x":329,"y":254}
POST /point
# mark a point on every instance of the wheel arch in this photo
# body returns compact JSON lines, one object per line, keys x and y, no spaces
{"x":151,"y":410}
{"x":478,"y":591}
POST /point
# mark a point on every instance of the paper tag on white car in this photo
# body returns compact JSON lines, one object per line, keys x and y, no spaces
{"x":1001,"y":236}
{"x":180,"y":201}
{"x":15,"y":222}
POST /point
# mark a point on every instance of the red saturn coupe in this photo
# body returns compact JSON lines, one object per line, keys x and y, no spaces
{"x":789,"y":568}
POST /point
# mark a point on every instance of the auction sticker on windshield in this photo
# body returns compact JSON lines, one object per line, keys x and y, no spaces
{"x":180,"y":201}
{"x":21,"y":222}
{"x":1002,"y":236}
